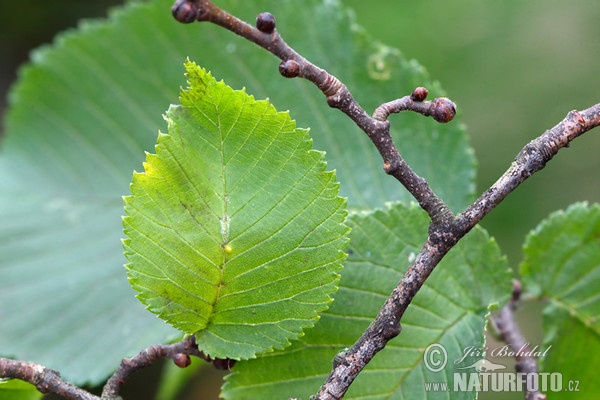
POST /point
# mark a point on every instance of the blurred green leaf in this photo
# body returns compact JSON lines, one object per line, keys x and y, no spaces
{"x":562,"y":265}
{"x":451,"y":309}
{"x":235,"y":230}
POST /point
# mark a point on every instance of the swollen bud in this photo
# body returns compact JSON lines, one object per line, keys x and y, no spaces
{"x":443,"y":110}
{"x":185,"y":11}
{"x":419,"y":94}
{"x":265,"y":22}
{"x":182,"y":360}
{"x":289,"y":68}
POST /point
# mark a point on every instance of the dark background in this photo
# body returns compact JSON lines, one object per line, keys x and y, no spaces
{"x":513,"y":68}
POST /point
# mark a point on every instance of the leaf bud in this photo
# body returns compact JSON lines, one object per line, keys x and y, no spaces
{"x":419,"y":94}
{"x":265,"y":22}
{"x":185,"y":11}
{"x":289,"y":68}
{"x":443,"y":110}
{"x":182,"y":360}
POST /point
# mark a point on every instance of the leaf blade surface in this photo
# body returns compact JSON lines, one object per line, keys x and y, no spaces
{"x":450,"y":310}
{"x":235,"y":230}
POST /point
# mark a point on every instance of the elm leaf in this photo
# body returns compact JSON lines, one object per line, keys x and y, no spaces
{"x":235,"y":229}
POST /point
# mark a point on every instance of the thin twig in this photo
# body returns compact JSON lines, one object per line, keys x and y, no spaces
{"x":49,"y":381}
{"x":511,"y":334}
{"x":445,"y":229}
{"x":178,"y":352}
{"x":44,"y":379}
{"x":337,"y":95}
{"x":532,"y":158}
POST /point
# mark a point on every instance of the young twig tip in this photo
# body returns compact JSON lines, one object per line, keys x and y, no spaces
{"x":443,"y":110}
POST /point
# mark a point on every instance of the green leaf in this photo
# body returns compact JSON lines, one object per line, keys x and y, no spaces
{"x":86,"y":108}
{"x":451,"y":309}
{"x":14,"y":389}
{"x":562,"y":265}
{"x":235,"y":230}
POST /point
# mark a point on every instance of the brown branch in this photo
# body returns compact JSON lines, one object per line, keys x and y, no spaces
{"x":44,"y":379}
{"x":49,"y":381}
{"x":337,"y":95}
{"x":179,"y":352}
{"x":532,"y":158}
{"x":441,"y":109}
{"x":510,"y":333}
{"x":445,"y":229}
{"x":442,"y":238}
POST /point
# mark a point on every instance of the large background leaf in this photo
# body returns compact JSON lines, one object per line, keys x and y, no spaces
{"x":235,"y":230}
{"x":84,"y":112}
{"x":451,"y":309}
{"x":562,"y":265}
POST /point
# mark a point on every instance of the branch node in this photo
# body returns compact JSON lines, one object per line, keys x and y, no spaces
{"x":575,"y":115}
{"x":391,"y":329}
{"x":330,"y":85}
{"x":289,"y":68}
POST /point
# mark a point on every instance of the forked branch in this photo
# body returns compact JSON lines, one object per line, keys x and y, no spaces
{"x":445,"y":229}
{"x":337,"y":95}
